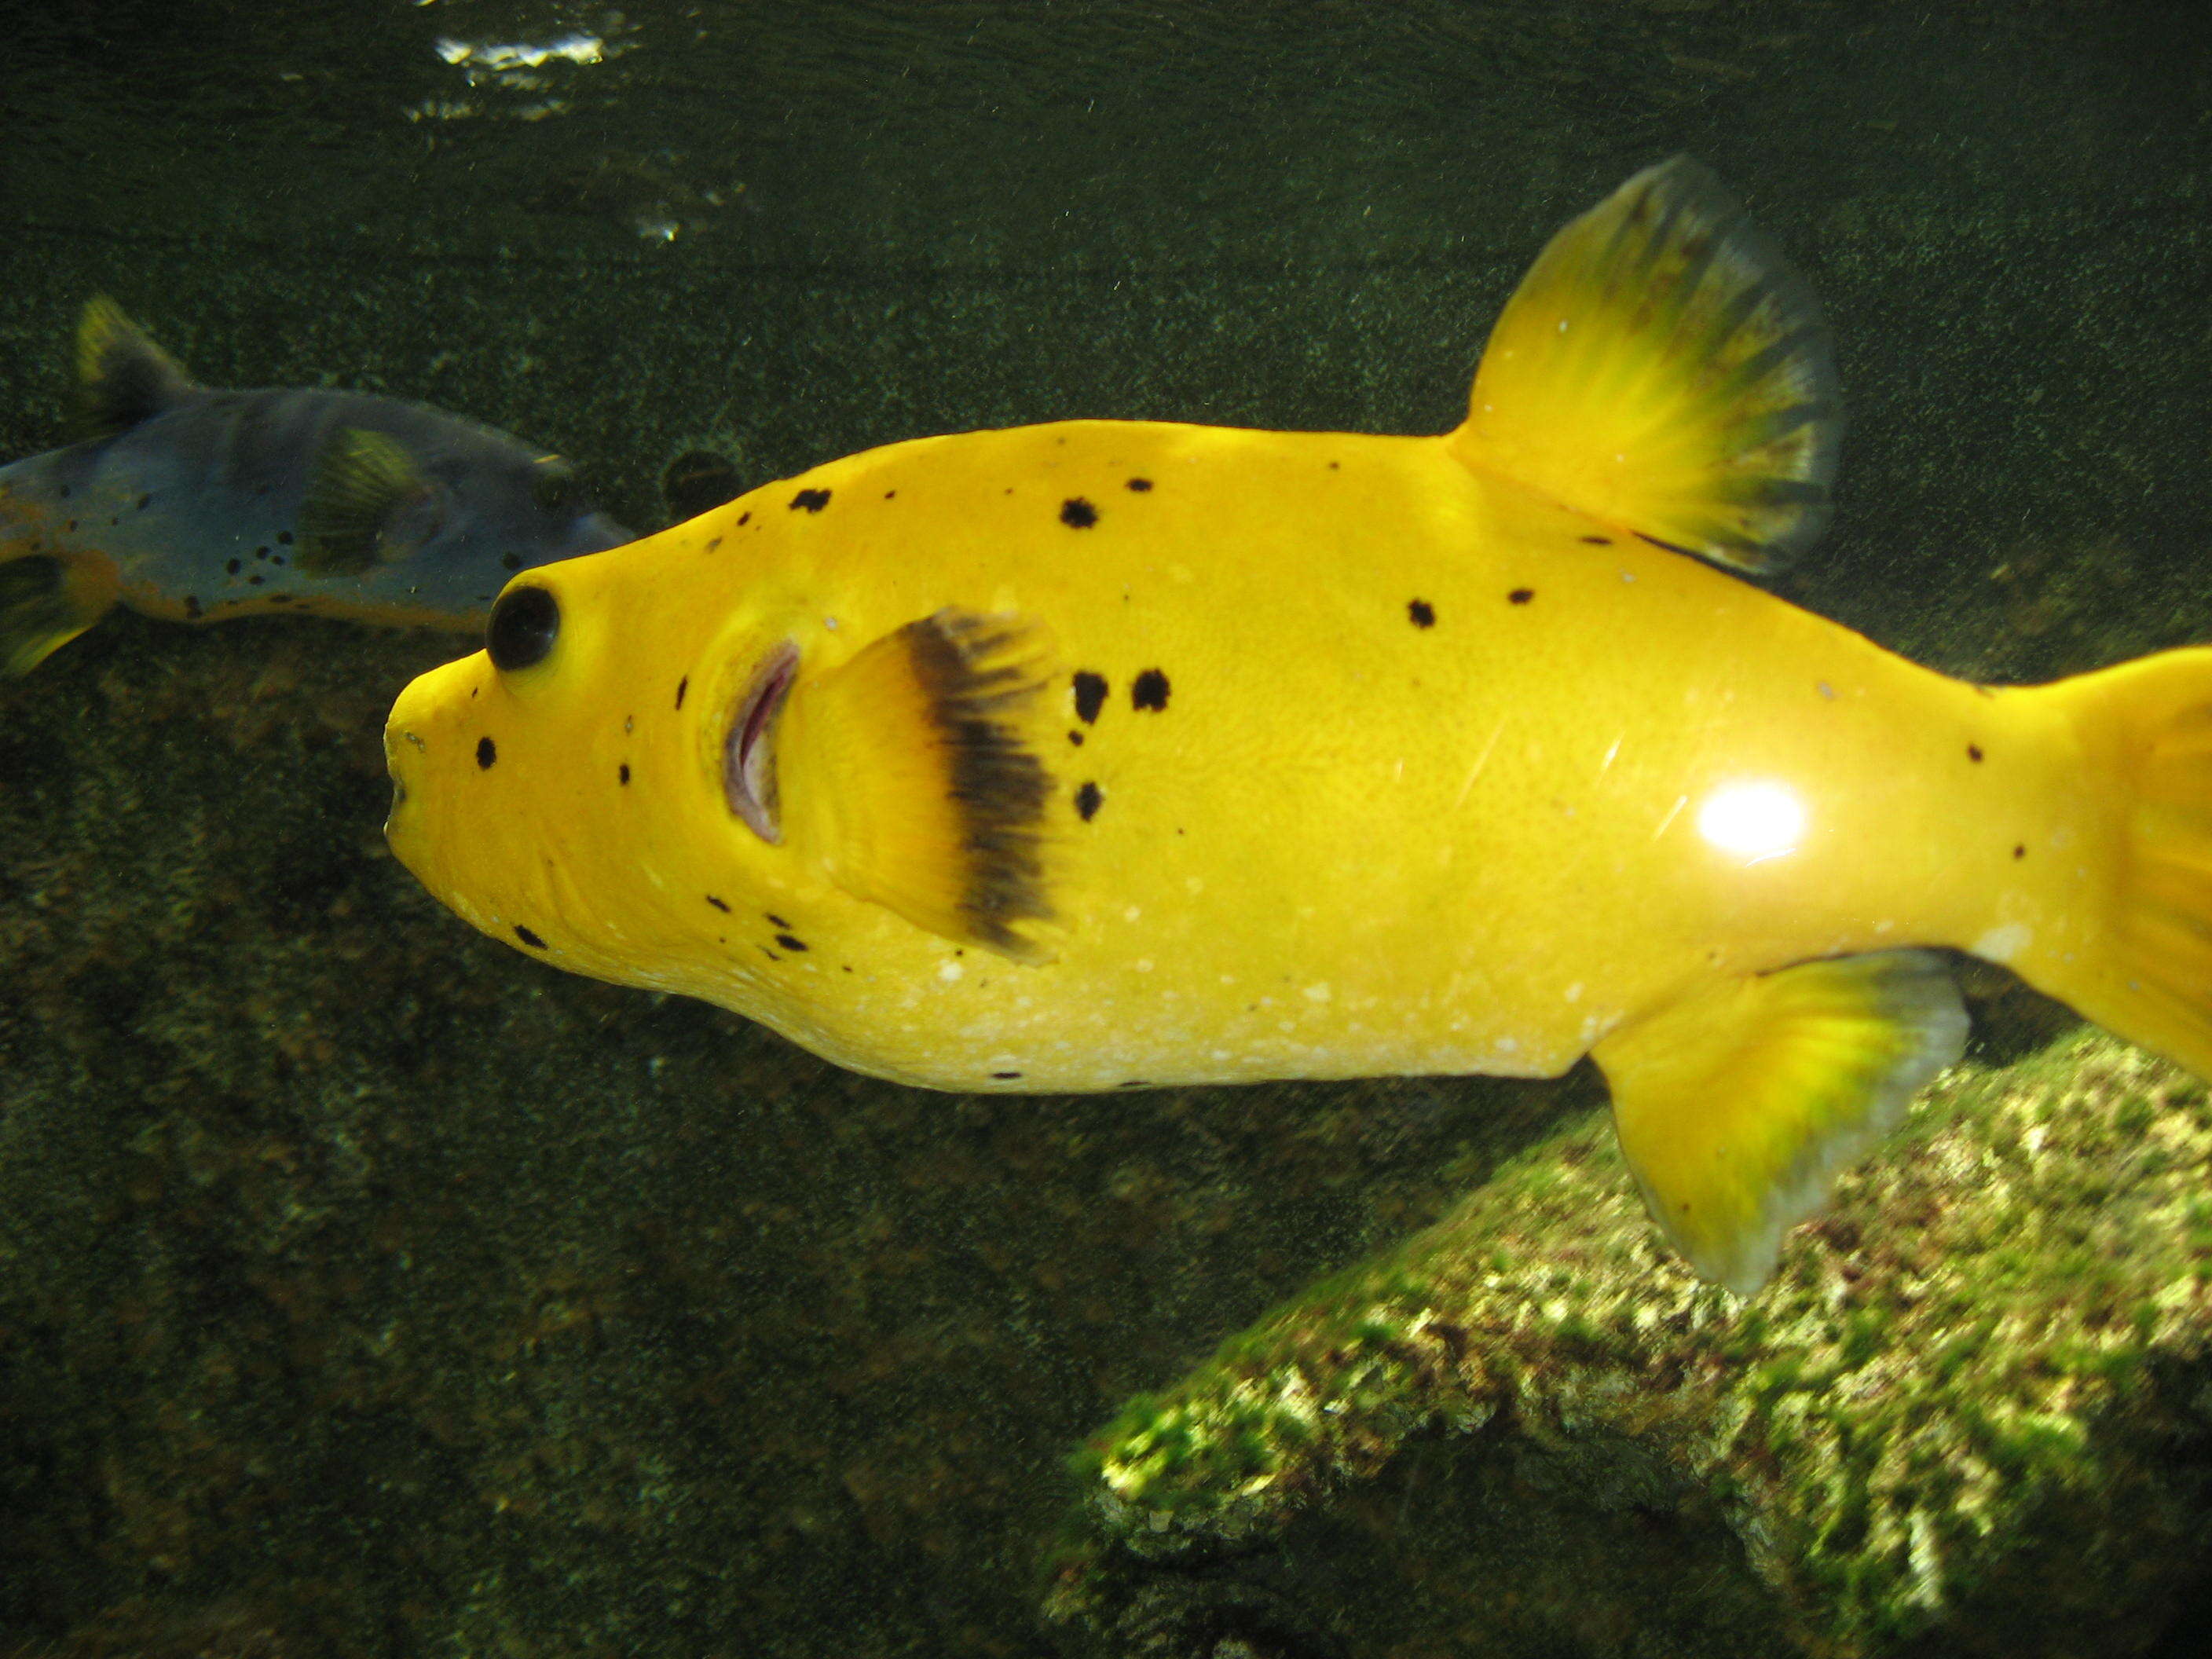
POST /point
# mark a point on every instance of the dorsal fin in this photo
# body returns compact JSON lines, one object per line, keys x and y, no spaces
{"x":358,"y":480}
{"x":1663,"y":369}
{"x":906,"y":773}
{"x":122,"y":376}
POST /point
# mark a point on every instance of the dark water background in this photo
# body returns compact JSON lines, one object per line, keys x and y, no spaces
{"x":365,"y":1290}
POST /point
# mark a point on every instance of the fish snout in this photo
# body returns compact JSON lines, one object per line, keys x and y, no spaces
{"x":403,"y":760}
{"x":421,"y":721}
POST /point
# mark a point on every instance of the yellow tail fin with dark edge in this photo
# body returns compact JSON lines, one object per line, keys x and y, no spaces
{"x":2144,"y":969}
{"x":907,"y":775}
{"x":1661,"y":368}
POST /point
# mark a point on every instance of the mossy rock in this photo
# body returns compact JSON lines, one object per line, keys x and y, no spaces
{"x":1967,"y":1416}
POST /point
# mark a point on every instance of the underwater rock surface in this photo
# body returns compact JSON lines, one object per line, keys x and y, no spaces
{"x":1970,"y":1412}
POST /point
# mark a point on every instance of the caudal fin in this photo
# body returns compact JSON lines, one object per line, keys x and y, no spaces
{"x":2145,"y":732}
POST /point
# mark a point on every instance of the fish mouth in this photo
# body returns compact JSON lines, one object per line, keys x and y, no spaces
{"x":748,"y":752}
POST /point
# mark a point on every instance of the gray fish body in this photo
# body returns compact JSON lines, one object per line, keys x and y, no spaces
{"x":219,"y":503}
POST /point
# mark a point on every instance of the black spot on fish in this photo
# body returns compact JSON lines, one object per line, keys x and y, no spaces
{"x":1141,"y":485}
{"x":1149,"y":690}
{"x":812,"y":500}
{"x":1089,"y":696}
{"x":285,"y":536}
{"x":791,"y":942}
{"x":279,"y":559}
{"x":718,"y":904}
{"x":1004,"y":1077}
{"x":1521,"y":595}
{"x":770,"y":954}
{"x":1077,"y":514}
{"x":487,"y":752}
{"x":2018,"y":851}
{"x":528,"y":938}
{"x":145,"y":501}
{"x":1087,"y":800}
{"x":776,"y":919}
{"x":1423,"y":614}
{"x":682,"y":686}
{"x":234,"y":566}
{"x":714,"y":544}
{"x":1974,"y":753}
{"x":745,"y":517}
{"x":1137,"y":1082}
{"x":1076,"y":737}
{"x":888,"y":494}
{"x":1599,"y":541}
{"x":255,"y":579}
{"x":192,"y":606}
{"x":70,"y":525}
{"x":622,"y":772}
{"x":66,"y":490}
{"x":280,"y":599}
{"x":510,"y":562}
{"x":260,"y":552}
{"x":1336,"y":466}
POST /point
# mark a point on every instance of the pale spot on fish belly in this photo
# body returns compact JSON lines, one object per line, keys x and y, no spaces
{"x":949,"y":971}
{"x":1317,"y":993}
{"x":2003,"y":943}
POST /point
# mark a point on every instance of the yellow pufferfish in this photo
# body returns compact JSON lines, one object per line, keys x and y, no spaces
{"x":1103,"y":753}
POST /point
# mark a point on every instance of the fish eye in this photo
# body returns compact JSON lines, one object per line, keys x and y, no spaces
{"x":554,"y":488}
{"x":524,"y":625}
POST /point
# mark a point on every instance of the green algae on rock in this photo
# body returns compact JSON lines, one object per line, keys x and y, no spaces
{"x":1961,"y":1414}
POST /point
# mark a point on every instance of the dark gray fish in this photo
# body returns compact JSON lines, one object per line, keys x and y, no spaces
{"x":197,"y":505}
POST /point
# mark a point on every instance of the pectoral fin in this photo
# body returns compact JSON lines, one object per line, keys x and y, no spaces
{"x":1737,"y":1106}
{"x":359,"y":480}
{"x":906,"y":774}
